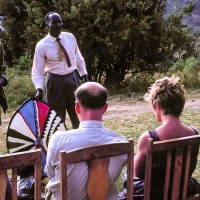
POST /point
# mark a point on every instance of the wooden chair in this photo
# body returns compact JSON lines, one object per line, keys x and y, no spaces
{"x":177,"y":166}
{"x":97,"y":158}
{"x":15,"y":160}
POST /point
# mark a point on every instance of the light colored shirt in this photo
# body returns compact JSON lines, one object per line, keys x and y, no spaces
{"x":48,"y":57}
{"x":89,"y":133}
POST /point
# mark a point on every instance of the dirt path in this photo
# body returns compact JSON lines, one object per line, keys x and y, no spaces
{"x":126,"y":109}
{"x":119,"y":108}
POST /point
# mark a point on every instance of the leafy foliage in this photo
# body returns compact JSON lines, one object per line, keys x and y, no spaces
{"x":20,"y":87}
{"x":115,"y":36}
{"x":188,"y":70}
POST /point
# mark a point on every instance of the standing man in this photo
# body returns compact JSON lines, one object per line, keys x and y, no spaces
{"x":59,"y":56}
{"x":91,"y":104}
{"x":3,"y":79}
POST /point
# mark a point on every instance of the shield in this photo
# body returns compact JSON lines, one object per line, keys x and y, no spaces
{"x":31,"y":127}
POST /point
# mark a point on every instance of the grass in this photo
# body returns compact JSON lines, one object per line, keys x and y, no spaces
{"x":132,"y":127}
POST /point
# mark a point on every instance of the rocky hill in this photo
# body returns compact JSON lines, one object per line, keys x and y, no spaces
{"x":192,"y":20}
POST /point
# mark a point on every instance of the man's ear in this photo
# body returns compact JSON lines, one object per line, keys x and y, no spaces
{"x":77,"y":107}
{"x":105,"y":107}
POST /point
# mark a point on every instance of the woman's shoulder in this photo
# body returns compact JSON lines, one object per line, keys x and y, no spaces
{"x":182,"y":130}
{"x":143,"y":139}
{"x":195,"y":130}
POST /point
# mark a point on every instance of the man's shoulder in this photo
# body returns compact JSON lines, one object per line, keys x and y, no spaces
{"x":88,"y":134}
{"x":43,"y":40}
{"x":68,"y":35}
{"x":115,"y":134}
{"x":64,"y":133}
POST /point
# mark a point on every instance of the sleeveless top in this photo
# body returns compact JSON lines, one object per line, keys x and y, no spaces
{"x":153,"y":134}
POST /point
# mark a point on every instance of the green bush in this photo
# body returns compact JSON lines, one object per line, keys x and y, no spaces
{"x":137,"y":82}
{"x":20,"y":87}
{"x":24,"y":64}
{"x":188,"y":70}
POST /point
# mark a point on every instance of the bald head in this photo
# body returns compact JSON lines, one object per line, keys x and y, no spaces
{"x":91,"y":95}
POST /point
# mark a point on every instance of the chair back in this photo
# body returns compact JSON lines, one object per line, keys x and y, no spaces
{"x":175,"y":157}
{"x":97,"y":158}
{"x":12,"y":162}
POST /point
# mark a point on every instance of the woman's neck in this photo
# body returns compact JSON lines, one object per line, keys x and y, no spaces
{"x":170,"y":119}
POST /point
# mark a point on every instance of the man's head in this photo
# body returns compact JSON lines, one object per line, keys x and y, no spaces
{"x":91,"y":101}
{"x":54,"y":23}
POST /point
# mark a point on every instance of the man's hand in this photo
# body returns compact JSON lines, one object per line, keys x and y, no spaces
{"x":2,"y":81}
{"x":85,"y":78}
{"x":39,"y":94}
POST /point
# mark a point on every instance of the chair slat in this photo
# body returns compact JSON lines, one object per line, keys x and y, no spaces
{"x":98,"y":175}
{"x":63,"y":176}
{"x":37,"y":175}
{"x":187,"y":170}
{"x":175,"y":143}
{"x":130,"y":168}
{"x":148,"y":167}
{"x":85,"y":154}
{"x":167,"y":175}
{"x":14,"y":183}
{"x":177,"y":172}
{"x":3,"y":183}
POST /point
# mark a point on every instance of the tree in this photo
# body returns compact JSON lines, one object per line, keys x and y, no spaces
{"x":115,"y":36}
{"x":14,"y":26}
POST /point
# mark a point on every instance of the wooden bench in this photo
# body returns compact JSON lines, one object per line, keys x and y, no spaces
{"x":15,"y":160}
{"x":178,"y":156}
{"x":97,"y":158}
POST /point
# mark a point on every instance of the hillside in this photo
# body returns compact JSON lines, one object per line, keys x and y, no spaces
{"x":192,"y":20}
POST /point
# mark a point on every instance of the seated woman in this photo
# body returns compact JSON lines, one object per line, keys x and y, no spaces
{"x":167,"y":97}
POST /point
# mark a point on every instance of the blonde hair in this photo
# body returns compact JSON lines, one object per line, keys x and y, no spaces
{"x":170,"y":94}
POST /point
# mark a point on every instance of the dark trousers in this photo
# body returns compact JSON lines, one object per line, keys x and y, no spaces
{"x":60,"y":95}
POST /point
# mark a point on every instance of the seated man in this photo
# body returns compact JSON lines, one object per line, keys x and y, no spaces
{"x":90,"y":106}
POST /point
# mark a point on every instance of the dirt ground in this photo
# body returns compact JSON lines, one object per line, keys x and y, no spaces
{"x":126,"y":109}
{"x":121,"y":107}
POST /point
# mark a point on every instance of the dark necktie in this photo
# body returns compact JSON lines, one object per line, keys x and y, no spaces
{"x":65,"y":52}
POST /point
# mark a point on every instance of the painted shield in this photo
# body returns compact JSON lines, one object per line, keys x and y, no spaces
{"x":32,"y":126}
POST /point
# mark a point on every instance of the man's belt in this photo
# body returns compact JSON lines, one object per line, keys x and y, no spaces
{"x":58,"y":75}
